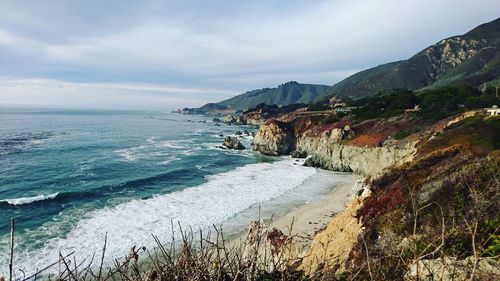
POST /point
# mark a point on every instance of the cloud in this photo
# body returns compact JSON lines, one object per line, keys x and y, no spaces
{"x":223,"y":44}
{"x":50,"y":92}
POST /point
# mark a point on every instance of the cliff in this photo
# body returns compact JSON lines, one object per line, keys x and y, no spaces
{"x":336,"y":146}
{"x":427,"y":207}
{"x":329,"y":152}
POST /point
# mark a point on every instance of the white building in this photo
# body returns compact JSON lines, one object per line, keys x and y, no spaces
{"x":493,"y":111}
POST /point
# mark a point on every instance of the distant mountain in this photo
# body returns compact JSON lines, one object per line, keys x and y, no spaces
{"x":472,"y":59}
{"x":285,"y":94}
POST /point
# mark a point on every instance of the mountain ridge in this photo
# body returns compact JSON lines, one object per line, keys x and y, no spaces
{"x":472,"y":58}
{"x":287,"y":93}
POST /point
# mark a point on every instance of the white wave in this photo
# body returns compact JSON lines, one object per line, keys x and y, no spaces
{"x":127,"y":154}
{"x":172,"y":144}
{"x":28,"y":200}
{"x":220,"y":198}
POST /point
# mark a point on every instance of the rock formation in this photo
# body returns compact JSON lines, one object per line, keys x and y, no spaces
{"x":233,"y":143}
{"x":329,"y":152}
{"x":228,"y":119}
{"x":274,"y":138}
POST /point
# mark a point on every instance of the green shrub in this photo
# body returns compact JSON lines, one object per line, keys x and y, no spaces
{"x":405,"y":133}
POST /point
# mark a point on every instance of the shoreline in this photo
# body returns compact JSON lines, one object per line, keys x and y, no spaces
{"x":308,"y":218}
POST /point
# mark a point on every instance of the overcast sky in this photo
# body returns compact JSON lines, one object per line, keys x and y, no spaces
{"x":169,"y":54}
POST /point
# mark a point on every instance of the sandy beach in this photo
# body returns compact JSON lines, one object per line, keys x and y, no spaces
{"x":309,"y":218}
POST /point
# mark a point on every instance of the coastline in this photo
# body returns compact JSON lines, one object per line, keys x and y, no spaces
{"x":309,"y":218}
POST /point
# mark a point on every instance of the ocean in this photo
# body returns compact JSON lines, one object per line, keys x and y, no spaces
{"x":71,"y":177}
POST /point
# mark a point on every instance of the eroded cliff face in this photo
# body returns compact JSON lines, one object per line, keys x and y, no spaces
{"x":331,"y":247}
{"x":328,"y":151}
{"x":274,"y":138}
{"x":255,"y":118}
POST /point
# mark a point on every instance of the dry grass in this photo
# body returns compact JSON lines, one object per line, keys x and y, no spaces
{"x":265,"y":254}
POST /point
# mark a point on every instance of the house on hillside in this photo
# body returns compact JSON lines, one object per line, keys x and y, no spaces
{"x":493,"y":111}
{"x":344,"y":110}
{"x":335,"y":102}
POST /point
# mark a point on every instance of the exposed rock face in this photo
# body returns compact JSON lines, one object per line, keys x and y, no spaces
{"x":228,"y":119}
{"x":451,"y":52}
{"x":327,"y":151}
{"x":274,"y":138}
{"x":331,"y":247}
{"x":255,"y":118}
{"x":233,"y":143}
{"x":330,"y":150}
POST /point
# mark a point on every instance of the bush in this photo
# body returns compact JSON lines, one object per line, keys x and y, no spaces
{"x":405,"y":133}
{"x":319,"y":106}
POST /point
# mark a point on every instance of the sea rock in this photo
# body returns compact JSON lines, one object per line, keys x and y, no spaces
{"x":246,"y":133}
{"x":299,"y":154}
{"x":274,"y":138}
{"x":216,"y":120}
{"x":233,"y":143}
{"x":238,"y":133}
{"x":240,"y":121}
{"x":228,"y":119}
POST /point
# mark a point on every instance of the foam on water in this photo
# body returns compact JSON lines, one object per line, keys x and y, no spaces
{"x":28,"y":200}
{"x":222,"y":197}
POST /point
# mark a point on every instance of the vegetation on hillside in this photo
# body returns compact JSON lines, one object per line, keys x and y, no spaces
{"x":433,"y":104}
{"x":441,"y":208}
{"x":473,"y":58}
{"x":288,"y":93}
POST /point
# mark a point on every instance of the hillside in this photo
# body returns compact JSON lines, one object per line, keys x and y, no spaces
{"x":472,"y":58}
{"x":285,"y":94}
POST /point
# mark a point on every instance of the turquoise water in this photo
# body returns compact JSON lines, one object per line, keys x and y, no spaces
{"x":69,"y":177}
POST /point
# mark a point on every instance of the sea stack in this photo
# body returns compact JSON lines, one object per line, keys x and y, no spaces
{"x":233,"y":143}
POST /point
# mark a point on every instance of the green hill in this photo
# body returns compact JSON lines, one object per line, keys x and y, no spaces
{"x":285,"y":94}
{"x":472,"y":59}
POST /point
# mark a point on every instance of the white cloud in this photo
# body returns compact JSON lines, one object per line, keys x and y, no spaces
{"x":50,"y":92}
{"x":243,"y":50}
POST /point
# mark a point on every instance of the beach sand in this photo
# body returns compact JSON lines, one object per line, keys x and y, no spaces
{"x":309,"y":218}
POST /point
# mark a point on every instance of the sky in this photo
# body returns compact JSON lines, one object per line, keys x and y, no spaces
{"x":161,"y":55}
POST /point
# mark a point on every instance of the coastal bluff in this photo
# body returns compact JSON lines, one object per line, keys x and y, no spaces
{"x":329,"y":149}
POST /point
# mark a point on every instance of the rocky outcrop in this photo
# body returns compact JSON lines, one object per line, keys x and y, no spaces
{"x":232,"y":119}
{"x":233,"y":143}
{"x":331,"y":247}
{"x":329,"y":152}
{"x":228,"y":119}
{"x":255,"y":118}
{"x":449,"y":53}
{"x":274,"y":138}
{"x":330,"y":149}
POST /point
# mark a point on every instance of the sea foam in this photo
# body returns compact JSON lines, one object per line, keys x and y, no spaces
{"x":28,"y":200}
{"x":222,"y":197}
